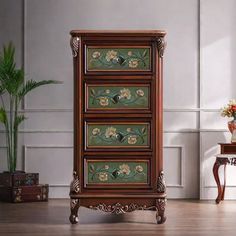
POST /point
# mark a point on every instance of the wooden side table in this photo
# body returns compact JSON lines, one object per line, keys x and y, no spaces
{"x":227,"y":157}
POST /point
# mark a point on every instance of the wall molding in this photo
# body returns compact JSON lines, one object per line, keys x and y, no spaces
{"x":24,"y":158}
{"x":165,"y":131}
{"x":215,"y":186}
{"x":182,"y":160}
{"x":46,"y":110}
{"x":69,"y":110}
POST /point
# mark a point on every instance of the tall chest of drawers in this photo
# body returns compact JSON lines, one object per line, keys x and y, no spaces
{"x":118,"y":164}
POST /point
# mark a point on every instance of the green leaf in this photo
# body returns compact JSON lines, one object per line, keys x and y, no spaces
{"x":18,"y":120}
{"x":11,"y":78}
{"x":3,"y":116}
{"x":1,"y":89}
{"x":91,"y":168}
{"x":31,"y":84}
{"x":92,"y":92}
{"x":143,"y":130}
{"x":144,"y":53}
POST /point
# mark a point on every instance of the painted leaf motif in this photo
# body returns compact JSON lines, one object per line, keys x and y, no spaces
{"x":109,"y":172}
{"x":143,"y":130}
{"x":91,"y":168}
{"x":117,"y":135}
{"x":118,"y":58}
{"x":92,"y":91}
{"x":134,"y":97}
{"x":145,"y":53}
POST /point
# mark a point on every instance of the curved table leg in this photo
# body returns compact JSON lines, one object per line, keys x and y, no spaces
{"x":217,"y":179}
{"x":223,"y":193}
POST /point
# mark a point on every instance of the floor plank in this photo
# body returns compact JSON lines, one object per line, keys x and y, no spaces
{"x":183,"y":218}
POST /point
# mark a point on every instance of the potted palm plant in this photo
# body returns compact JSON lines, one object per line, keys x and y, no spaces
{"x":14,"y":87}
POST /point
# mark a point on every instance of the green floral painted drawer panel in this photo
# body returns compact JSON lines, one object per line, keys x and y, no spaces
{"x":118,"y":59}
{"x":118,"y":135}
{"x":109,"y":97}
{"x":110,"y":172}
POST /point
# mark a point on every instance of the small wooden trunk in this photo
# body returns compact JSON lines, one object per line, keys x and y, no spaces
{"x":35,"y":193}
{"x":19,"y":178}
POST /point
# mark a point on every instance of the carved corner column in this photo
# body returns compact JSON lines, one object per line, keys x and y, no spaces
{"x":74,"y":202}
{"x":161,"y":202}
{"x":161,"y":45}
{"x":75,"y":184}
{"x":74,"y":43}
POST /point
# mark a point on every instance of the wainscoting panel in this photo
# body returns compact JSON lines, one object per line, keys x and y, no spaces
{"x":180,"y":120}
{"x":217,"y":83}
{"x":53,"y":163}
{"x":173,"y":164}
{"x":3,"y":158}
{"x":181,"y":164}
{"x":213,"y":120}
{"x":62,"y":121}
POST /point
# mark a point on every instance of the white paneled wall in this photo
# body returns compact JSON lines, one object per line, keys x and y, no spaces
{"x":218,"y":77}
{"x":198,"y":78}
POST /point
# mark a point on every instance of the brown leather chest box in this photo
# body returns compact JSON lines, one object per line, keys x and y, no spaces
{"x":24,"y":193}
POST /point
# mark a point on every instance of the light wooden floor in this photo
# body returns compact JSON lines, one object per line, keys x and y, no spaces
{"x":183,"y":218}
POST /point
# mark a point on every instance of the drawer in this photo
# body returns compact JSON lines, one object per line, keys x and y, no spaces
{"x":118,"y":58}
{"x":114,"y":135}
{"x":117,"y":97}
{"x":112,"y":172}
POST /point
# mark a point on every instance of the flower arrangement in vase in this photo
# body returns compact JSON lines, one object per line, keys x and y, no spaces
{"x":230,"y":111}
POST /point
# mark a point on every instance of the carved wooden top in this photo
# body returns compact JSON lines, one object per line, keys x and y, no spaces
{"x":226,"y":160}
{"x":155,"y":33}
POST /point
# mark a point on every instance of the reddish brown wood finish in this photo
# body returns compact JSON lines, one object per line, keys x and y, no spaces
{"x":118,"y":197}
{"x":28,"y":193}
{"x":226,"y":148}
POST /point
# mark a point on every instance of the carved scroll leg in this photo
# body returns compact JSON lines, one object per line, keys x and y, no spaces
{"x":223,"y":192}
{"x":217,"y":179}
{"x":160,"y":215}
{"x":74,"y":207}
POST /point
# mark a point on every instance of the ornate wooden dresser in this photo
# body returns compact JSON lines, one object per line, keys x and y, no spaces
{"x":118,"y":164}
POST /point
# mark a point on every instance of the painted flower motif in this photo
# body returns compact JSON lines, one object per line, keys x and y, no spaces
{"x":95,"y":131}
{"x":132,"y":139}
{"x":130,"y":53}
{"x":129,"y":130}
{"x":106,"y":167}
{"x":107,"y":91}
{"x":125,"y":93}
{"x":124,"y":169}
{"x":103,"y":176}
{"x":133,"y":63}
{"x":110,"y":131}
{"x":103,"y":101}
{"x":140,"y":92}
{"x":96,"y":55}
{"x":139,"y":168}
{"x":111,"y":55}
